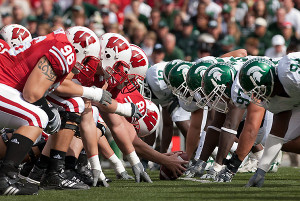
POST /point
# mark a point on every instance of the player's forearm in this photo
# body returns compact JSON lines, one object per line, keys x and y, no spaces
{"x":68,"y":88}
{"x":147,"y":152}
{"x":236,"y":53}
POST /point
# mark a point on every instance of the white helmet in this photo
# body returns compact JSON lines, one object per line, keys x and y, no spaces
{"x":150,"y":121}
{"x":115,"y":56}
{"x":15,"y":34}
{"x":138,"y":66}
{"x":87,"y":48}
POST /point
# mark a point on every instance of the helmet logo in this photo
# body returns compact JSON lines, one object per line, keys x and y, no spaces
{"x":83,"y":38}
{"x":19,"y":32}
{"x":137,"y":59}
{"x":117,"y":42}
{"x":201,"y":69}
{"x":256,"y":72}
{"x":216,"y":73}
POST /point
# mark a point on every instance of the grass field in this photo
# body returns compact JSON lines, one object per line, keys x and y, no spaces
{"x":283,"y":185}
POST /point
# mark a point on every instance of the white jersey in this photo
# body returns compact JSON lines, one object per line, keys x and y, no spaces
{"x":288,"y":71}
{"x":154,"y":77}
{"x":238,"y":97}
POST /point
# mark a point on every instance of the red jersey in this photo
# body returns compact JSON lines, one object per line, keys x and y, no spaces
{"x":17,"y":63}
{"x":133,"y":97}
{"x":3,"y":46}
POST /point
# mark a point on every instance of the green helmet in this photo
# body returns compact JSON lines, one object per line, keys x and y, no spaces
{"x":257,"y":79}
{"x":216,"y":84}
{"x":177,"y":79}
{"x":194,"y":78}
{"x":168,"y":68}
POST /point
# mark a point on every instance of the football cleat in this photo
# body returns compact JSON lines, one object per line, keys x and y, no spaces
{"x":60,"y":181}
{"x":11,"y":185}
{"x":35,"y":175}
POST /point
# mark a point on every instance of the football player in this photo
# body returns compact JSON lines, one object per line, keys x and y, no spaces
{"x":276,"y":90}
{"x":25,"y":79}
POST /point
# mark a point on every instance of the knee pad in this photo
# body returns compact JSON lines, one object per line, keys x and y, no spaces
{"x":72,"y":117}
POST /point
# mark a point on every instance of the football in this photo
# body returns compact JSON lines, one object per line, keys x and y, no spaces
{"x":166,"y":174}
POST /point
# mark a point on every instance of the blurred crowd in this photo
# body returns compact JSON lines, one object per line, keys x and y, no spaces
{"x":170,"y":29}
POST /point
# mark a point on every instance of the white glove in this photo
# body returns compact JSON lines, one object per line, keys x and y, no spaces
{"x":140,"y":173}
{"x":97,"y":95}
{"x":128,"y":110}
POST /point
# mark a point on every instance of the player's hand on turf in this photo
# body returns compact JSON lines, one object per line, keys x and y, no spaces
{"x":105,"y":98}
{"x":140,"y":173}
{"x":54,"y":124}
{"x":196,"y":170}
{"x":175,"y":165}
{"x":124,"y":176}
{"x":257,"y":180}
{"x":210,"y":174}
{"x":224,"y":175}
{"x":96,"y":175}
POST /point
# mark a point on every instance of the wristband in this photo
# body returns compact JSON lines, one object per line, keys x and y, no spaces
{"x":214,"y":128}
{"x":95,"y":163}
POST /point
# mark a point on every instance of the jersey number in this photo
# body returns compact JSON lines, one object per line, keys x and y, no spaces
{"x":160,"y":75}
{"x":240,"y":99}
{"x":68,"y":52}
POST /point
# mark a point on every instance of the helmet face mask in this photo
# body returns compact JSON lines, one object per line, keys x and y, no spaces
{"x":257,"y":80}
{"x":86,"y":70}
{"x":217,"y":82}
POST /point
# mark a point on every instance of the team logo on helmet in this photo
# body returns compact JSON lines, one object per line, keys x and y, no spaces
{"x":17,"y":32}
{"x":216,"y":73}
{"x":115,"y":42}
{"x":137,"y":59}
{"x":201,"y":69}
{"x":83,"y":38}
{"x":256,"y":72}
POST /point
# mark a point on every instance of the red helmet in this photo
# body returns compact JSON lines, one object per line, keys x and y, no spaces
{"x":150,"y":121}
{"x":115,"y":56}
{"x":87,"y":48}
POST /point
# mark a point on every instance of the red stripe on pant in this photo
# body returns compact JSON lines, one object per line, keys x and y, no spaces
{"x":65,"y":106}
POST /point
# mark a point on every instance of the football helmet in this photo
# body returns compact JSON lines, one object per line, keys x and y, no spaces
{"x":194,"y":78}
{"x":216,"y":84}
{"x":138,"y":67}
{"x":15,"y":34}
{"x":177,"y":79}
{"x":167,"y":70}
{"x":257,"y":80}
{"x":115,"y":55}
{"x":87,"y":48}
{"x":150,"y":121}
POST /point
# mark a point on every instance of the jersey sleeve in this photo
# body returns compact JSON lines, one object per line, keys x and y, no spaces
{"x":62,"y":58}
{"x":3,"y":46}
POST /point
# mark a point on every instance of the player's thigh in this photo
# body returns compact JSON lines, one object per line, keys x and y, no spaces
{"x":68,"y":104}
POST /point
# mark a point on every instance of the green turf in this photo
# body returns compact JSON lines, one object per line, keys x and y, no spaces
{"x":283,"y":185}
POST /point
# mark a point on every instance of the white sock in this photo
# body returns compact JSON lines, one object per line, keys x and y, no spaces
{"x":116,"y":163}
{"x":95,"y":164}
{"x":273,"y":146}
{"x":200,"y":146}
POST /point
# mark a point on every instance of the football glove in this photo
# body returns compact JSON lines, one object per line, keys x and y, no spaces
{"x":224,"y":175}
{"x":97,"y":95}
{"x":197,"y":170}
{"x":54,"y":124}
{"x":106,"y":98}
{"x":128,"y":110}
{"x":124,"y":176}
{"x":257,"y":180}
{"x":140,"y":173}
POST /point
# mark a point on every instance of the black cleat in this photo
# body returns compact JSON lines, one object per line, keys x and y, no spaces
{"x":59,"y":181}
{"x":11,"y":185}
{"x":24,"y":172}
{"x":76,"y":176}
{"x":36,"y":175}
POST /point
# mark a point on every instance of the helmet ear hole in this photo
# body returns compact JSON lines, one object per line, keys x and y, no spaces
{"x":76,"y":51}
{"x":107,"y":56}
